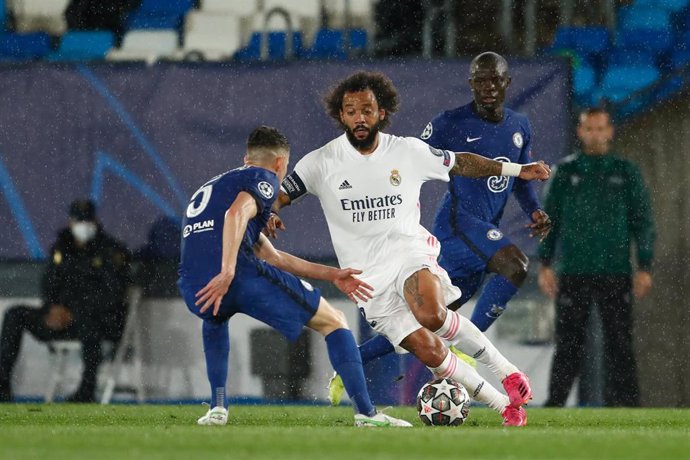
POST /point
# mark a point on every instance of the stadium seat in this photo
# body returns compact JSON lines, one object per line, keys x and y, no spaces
{"x":276,"y":46}
{"x":111,"y":368}
{"x":584,"y":79}
{"x":633,"y":17}
{"x":649,"y":39}
{"x":146,"y":45}
{"x":214,"y":36}
{"x":159,"y":14}
{"x":83,"y":46}
{"x":237,"y":7}
{"x":39,"y":15}
{"x":668,"y":5}
{"x":330,"y":44}
{"x":584,"y":41}
{"x":24,"y":47}
{"x":630,"y":57}
{"x":619,"y":82}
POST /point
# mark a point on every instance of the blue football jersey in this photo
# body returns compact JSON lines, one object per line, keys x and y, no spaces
{"x":202,"y":226}
{"x":462,"y":130}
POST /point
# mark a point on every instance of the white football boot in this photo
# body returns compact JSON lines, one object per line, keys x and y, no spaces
{"x":380,"y":420}
{"x":215,"y":416}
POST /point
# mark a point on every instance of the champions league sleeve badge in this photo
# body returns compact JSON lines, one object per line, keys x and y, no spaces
{"x":517,"y":140}
{"x":428,"y":131}
{"x":395,"y":177}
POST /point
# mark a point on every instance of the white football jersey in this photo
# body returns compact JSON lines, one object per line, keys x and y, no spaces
{"x":371,"y":202}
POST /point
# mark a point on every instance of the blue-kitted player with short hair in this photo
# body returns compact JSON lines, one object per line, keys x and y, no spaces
{"x":467,"y":223}
{"x":228,"y":266}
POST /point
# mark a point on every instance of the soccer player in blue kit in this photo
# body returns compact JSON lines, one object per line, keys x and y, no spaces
{"x":228,"y":266}
{"x":466,"y":224}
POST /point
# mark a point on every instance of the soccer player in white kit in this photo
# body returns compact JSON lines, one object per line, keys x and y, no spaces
{"x":368,"y":183}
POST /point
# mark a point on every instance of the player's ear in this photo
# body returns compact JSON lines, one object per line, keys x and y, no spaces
{"x":382,"y":114}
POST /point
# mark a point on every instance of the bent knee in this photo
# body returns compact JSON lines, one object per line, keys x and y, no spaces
{"x":512,"y":264}
{"x":433,"y":320}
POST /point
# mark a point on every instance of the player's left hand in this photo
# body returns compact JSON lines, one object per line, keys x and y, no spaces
{"x":541,"y":225}
{"x":538,"y":170}
{"x":642,"y":284}
{"x":352,"y":287}
{"x":213,"y":292}
{"x":274,"y":223}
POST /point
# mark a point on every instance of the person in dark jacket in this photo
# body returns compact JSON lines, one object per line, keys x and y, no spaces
{"x":84,"y":289}
{"x":600,"y":208}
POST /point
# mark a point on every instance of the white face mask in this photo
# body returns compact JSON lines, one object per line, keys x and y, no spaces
{"x":83,"y":232}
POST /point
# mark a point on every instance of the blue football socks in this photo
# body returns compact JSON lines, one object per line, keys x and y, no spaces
{"x":216,"y":349}
{"x":347,"y":362}
{"x":495,"y":296}
{"x":374,"y":348}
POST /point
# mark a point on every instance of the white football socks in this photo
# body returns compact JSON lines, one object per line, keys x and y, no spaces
{"x":462,"y":333}
{"x":478,"y":388}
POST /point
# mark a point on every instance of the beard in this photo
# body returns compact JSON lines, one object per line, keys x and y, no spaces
{"x":367,"y":142}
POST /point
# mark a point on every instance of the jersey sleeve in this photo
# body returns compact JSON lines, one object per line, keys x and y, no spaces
{"x":431,"y":163}
{"x":433,"y":132}
{"x":262,"y":187}
{"x":524,"y":190}
{"x":303,"y":179}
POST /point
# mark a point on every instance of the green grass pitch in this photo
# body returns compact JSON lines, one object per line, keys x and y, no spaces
{"x":64,"y":431}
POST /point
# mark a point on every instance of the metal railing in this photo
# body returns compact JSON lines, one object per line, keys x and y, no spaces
{"x":289,"y":51}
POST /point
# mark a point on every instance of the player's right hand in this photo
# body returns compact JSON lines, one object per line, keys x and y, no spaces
{"x":352,"y":287}
{"x":213,"y":292}
{"x":538,"y":170}
{"x":274,"y":223}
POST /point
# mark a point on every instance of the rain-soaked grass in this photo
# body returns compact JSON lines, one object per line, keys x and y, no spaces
{"x":63,"y":431}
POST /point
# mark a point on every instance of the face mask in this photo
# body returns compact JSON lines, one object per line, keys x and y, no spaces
{"x":83,"y":232}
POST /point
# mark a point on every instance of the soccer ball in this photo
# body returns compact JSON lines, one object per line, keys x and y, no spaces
{"x":443,"y":402}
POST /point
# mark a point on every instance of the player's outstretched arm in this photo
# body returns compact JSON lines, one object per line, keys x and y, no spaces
{"x":473,"y":165}
{"x":235,"y":224}
{"x":342,"y":278}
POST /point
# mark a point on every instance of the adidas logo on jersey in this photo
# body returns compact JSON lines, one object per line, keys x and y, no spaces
{"x":344,"y":185}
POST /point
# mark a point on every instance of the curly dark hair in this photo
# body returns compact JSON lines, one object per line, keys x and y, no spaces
{"x":379,"y":84}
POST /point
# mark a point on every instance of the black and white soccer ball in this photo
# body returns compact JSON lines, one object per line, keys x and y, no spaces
{"x":443,"y":402}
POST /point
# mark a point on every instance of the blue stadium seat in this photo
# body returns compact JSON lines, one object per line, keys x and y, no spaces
{"x":3,"y":16}
{"x":634,"y":17}
{"x":649,"y":39}
{"x":179,"y":7}
{"x":668,"y":5}
{"x":83,"y":46}
{"x":159,"y":14}
{"x":276,"y":46}
{"x":622,"y":57}
{"x":584,"y":79}
{"x":621,"y":82}
{"x":680,"y":58}
{"x":330,"y":44}
{"x":584,"y":41}
{"x":24,"y":47}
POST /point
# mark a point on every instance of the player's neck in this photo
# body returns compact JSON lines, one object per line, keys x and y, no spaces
{"x":492,"y":115}
{"x":260,"y":165}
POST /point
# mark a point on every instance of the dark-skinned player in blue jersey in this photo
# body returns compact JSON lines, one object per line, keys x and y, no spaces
{"x":466,"y":224}
{"x":228,"y":266}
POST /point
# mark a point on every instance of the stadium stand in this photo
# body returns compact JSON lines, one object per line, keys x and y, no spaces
{"x":146,"y":45}
{"x":83,"y":46}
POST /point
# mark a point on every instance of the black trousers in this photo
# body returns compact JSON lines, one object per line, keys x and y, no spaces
{"x":23,"y":318}
{"x":576,"y":297}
